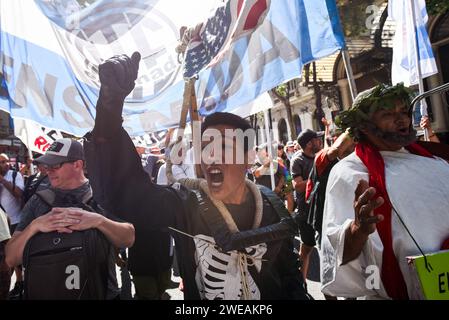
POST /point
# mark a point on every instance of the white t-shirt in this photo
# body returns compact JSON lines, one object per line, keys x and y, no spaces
{"x":4,"y":230}
{"x":179,"y":172}
{"x":10,"y":204}
{"x":417,"y":188}
{"x":184,"y":170}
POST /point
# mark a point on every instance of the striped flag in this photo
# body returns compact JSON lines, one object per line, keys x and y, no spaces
{"x":247,"y":47}
{"x":233,"y":19}
{"x":404,"y":68}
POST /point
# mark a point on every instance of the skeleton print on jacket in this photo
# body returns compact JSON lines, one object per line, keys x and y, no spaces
{"x":225,"y":275}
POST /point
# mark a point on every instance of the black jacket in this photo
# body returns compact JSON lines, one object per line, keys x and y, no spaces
{"x":122,"y":187}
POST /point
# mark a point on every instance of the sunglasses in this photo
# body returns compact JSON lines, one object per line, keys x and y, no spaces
{"x":56,"y":166}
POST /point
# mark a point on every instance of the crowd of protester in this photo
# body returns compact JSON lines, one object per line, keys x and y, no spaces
{"x":228,"y":229}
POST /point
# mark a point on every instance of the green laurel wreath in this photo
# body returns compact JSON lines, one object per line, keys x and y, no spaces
{"x":367,"y":102}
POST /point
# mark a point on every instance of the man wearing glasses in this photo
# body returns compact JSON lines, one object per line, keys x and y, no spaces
{"x":64,"y":161}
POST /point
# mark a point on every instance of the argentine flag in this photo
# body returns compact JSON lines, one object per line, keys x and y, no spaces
{"x":404,"y":68}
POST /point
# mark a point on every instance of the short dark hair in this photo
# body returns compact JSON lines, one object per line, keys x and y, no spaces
{"x":228,"y":119}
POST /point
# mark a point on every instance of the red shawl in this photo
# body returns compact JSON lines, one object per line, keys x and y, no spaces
{"x":391,"y":273}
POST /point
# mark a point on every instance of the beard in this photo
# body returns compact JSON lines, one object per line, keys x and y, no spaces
{"x":403,"y":140}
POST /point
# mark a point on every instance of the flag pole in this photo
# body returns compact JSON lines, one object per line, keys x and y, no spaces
{"x":30,"y":153}
{"x":423,"y":104}
{"x":270,"y":153}
{"x":349,"y":73}
{"x":194,"y":122}
{"x":186,"y":102}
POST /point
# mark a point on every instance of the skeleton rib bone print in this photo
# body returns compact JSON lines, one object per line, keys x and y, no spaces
{"x":220,"y":275}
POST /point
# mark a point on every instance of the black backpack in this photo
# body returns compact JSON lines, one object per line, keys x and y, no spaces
{"x":317,"y":197}
{"x":66,"y":266}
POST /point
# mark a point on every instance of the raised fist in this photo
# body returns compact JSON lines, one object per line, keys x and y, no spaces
{"x":117,"y":74}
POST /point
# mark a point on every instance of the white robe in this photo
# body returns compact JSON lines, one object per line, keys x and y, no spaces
{"x":418,"y":190}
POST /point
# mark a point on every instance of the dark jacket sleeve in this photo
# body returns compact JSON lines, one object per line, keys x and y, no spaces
{"x":119,"y":183}
{"x":276,"y":230}
{"x":228,"y":241}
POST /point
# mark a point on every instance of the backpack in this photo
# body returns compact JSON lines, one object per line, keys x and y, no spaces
{"x":67,"y":266}
{"x":316,"y":186}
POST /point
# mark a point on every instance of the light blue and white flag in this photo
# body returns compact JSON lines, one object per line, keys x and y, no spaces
{"x":261,"y":44}
{"x":404,"y":67}
{"x":50,"y":52}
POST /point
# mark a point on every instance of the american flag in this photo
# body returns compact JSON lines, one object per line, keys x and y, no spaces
{"x":232,"y":20}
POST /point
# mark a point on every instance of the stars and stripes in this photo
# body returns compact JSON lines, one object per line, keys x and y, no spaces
{"x":230,"y":21}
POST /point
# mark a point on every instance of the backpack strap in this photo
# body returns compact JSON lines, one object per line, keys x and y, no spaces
{"x":87,"y":197}
{"x":275,"y":201}
{"x":48,"y":196}
{"x":31,"y":188}
{"x":228,"y":241}
{"x":14,"y":176}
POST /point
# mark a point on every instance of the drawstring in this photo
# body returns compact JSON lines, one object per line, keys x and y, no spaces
{"x":243,"y":268}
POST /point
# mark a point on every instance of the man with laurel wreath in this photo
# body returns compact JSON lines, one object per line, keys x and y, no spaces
{"x":400,"y":203}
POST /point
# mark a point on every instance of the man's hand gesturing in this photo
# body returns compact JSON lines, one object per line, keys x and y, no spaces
{"x":365,"y":220}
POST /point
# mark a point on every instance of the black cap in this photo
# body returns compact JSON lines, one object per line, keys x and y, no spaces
{"x":307,"y":135}
{"x":62,"y":150}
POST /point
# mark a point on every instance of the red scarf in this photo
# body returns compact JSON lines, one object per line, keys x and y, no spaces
{"x":391,"y":273}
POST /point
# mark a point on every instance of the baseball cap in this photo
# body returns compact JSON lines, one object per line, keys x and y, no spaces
{"x":290,"y":144}
{"x":62,"y":150}
{"x":305,"y":136}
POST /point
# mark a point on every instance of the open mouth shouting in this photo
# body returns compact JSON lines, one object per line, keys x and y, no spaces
{"x":215,"y":176}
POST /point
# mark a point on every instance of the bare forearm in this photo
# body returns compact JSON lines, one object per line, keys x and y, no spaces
{"x":15,"y":191}
{"x":280,"y":184}
{"x":327,"y":135}
{"x":15,"y":246}
{"x":300,"y":186}
{"x":121,"y":235}
{"x":433,"y":137}
{"x":339,"y":148}
{"x":354,"y":243}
